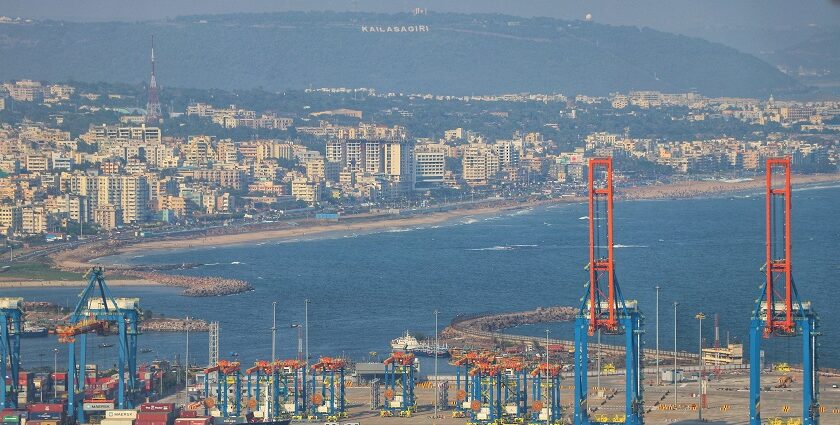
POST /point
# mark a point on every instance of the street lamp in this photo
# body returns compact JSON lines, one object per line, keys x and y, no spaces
{"x":305,"y":346}
{"x":675,"y":352}
{"x":700,"y":317}
{"x":55,"y":371}
{"x":437,"y":346}
{"x":186,"y":368}
{"x":547,"y":366}
{"x":299,"y":339}
{"x":273,"y":353}
{"x":658,"y":375}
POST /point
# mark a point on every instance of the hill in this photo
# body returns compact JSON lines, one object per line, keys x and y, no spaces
{"x":438,"y":53}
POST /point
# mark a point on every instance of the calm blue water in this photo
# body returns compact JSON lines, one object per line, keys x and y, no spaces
{"x":367,"y":289}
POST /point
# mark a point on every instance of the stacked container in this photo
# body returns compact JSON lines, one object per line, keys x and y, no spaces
{"x":156,"y":414}
{"x":119,"y":417}
{"x":194,"y":421}
{"x":45,"y":414}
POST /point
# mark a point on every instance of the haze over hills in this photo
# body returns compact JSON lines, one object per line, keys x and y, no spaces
{"x":438,"y":53}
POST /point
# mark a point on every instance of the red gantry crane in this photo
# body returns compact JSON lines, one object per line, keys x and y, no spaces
{"x":779,"y":312}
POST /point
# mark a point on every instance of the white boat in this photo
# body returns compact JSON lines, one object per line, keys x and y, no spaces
{"x":411,"y":344}
{"x":406,"y":342}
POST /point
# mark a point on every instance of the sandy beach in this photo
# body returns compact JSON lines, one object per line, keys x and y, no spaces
{"x":78,"y":259}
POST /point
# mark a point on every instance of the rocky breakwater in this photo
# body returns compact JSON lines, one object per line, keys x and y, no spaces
{"x":486,"y":326}
{"x":197,"y":286}
{"x":174,"y":325}
{"x":79,"y":260}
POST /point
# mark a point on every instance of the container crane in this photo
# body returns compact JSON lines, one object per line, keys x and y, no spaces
{"x":285,"y":377}
{"x":604,"y":308}
{"x":546,"y":380}
{"x":228,"y":374}
{"x":782,"y":314}
{"x":11,"y":316}
{"x":400,"y":376}
{"x":329,"y":403}
{"x":99,"y":312}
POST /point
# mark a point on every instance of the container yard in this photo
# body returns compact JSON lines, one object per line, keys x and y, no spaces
{"x":502,"y":379}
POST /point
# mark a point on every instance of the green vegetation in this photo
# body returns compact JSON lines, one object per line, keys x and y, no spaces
{"x":35,"y":271}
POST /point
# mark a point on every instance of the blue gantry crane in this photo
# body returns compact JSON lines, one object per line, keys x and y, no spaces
{"x":782,"y":314}
{"x":602,"y":311}
{"x":228,"y":381}
{"x":11,"y":316}
{"x":98,"y":311}
{"x":546,"y":380}
{"x":400,"y":376}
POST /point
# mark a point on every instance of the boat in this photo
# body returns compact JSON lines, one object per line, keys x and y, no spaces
{"x":145,"y":350}
{"x":33,"y":331}
{"x":105,"y":345}
{"x":428,"y":350}
{"x":406,"y":342}
{"x":411,"y":344}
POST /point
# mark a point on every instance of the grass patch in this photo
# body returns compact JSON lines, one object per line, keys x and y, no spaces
{"x":35,"y":271}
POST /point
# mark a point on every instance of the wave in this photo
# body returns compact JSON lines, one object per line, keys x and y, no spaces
{"x":618,"y":245}
{"x":469,"y":220}
{"x":586,"y":217}
{"x":523,"y":212}
{"x":503,"y":247}
{"x":399,"y":230}
{"x":211,"y":264}
{"x":493,"y":248}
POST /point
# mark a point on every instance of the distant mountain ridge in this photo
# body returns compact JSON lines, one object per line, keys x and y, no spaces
{"x":455,"y":54}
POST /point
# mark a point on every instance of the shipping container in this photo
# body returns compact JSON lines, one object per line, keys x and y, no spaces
{"x":121,"y":414}
{"x":45,"y":416}
{"x":157,"y":407}
{"x":155,"y":416}
{"x":189,"y":414}
{"x":116,"y":422}
{"x":45,"y":407}
{"x":192,"y":421}
{"x":142,"y":422}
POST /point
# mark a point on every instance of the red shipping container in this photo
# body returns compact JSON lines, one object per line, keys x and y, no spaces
{"x":157,"y":407}
{"x":139,"y":422}
{"x":40,"y":407}
{"x":154,"y":416}
{"x":192,"y":421}
{"x":189,"y":414}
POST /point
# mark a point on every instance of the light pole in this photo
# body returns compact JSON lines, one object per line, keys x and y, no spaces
{"x":547,"y":366}
{"x":675,"y":352}
{"x":305,"y":346}
{"x":598,"y":364}
{"x":273,"y":354}
{"x":187,"y":367}
{"x":658,"y":375}
{"x":700,"y":317}
{"x":437,"y":387}
{"x":299,"y":339}
{"x":55,"y":371}
{"x":306,"y":329}
{"x":273,"y":331}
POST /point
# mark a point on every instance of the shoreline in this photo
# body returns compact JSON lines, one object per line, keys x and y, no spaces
{"x":81,"y":258}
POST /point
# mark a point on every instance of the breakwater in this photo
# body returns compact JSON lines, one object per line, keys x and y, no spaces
{"x":485,"y":330}
{"x":197,"y":286}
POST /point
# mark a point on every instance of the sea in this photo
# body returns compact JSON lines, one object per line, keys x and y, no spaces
{"x":365,"y":289}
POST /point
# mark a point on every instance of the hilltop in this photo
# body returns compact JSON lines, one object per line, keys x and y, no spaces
{"x":438,"y":53}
